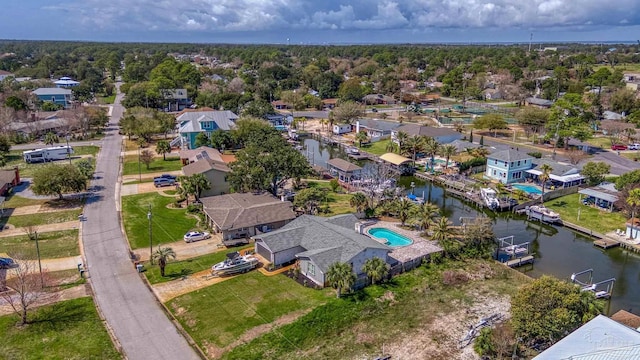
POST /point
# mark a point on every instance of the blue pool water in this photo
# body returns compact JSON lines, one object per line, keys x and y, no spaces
{"x":393,"y":239}
{"x":527,"y":188}
{"x":281,"y":127}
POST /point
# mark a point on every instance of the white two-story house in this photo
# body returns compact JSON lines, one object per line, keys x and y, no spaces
{"x":508,"y":166}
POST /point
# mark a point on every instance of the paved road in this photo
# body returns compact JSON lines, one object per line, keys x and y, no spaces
{"x":129,"y":307}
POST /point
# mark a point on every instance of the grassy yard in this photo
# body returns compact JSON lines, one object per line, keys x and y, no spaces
{"x":591,"y":218}
{"x":54,"y":244}
{"x":67,"y":330}
{"x":376,"y":148}
{"x":15,"y":201}
{"x":14,"y":158}
{"x":218,"y":315}
{"x":157,"y":165}
{"x":41,"y":218}
{"x":602,"y":142}
{"x":632,"y":155}
{"x":177,"y":269}
{"x":414,"y":314}
{"x":169,"y":225}
{"x":107,"y":99}
{"x":338,"y":203}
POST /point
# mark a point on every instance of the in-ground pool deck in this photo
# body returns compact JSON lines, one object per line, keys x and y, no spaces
{"x":420,"y":246}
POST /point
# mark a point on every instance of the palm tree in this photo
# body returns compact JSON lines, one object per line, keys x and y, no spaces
{"x":50,"y":138}
{"x":403,"y":210}
{"x":162,"y":255}
{"x":401,"y":139}
{"x":358,"y":201}
{"x":480,"y":152}
{"x":376,"y":269}
{"x":361,"y":137}
{"x":448,"y":151}
{"x":633,"y":199}
{"x":545,"y":172}
{"x":163,"y":147}
{"x":432,"y":147}
{"x":200,"y":183}
{"x":340,"y":276}
{"x":414,"y":145}
{"x":442,"y":230}
{"x":391,"y":147}
{"x":425,"y":215}
{"x":323,"y":122}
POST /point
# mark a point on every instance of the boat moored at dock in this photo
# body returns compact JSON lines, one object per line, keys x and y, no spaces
{"x":541,"y":213}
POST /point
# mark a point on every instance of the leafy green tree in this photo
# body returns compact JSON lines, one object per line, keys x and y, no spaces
{"x":334,"y":184}
{"x":86,"y":168}
{"x":162,"y":255}
{"x":266,"y":163}
{"x":49,"y":106}
{"x":623,"y":101}
{"x":57,"y":180}
{"x":258,"y":108}
{"x":546,"y":309}
{"x":15,"y":103}
{"x":569,"y":118}
{"x":351,"y":90}
{"x":294,"y":99}
{"x":532,"y":119}
{"x":340,"y":276}
{"x":347,"y":112}
{"x":492,"y":122}
{"x":628,"y":179}
{"x":202,"y":139}
{"x":595,"y":172}
{"x":361,"y":137}
{"x":221,"y":139}
{"x":309,"y":199}
{"x":163,"y":148}
{"x":376,"y":269}
{"x":146,"y":157}
{"x":51,"y":138}
{"x":358,"y":201}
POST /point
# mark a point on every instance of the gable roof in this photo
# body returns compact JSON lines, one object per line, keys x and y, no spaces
{"x":599,"y":339}
{"x":380,"y":125}
{"x":51,"y":91}
{"x":2,"y":72}
{"x":201,"y":153}
{"x":422,"y":130}
{"x":343,"y":165}
{"x":191,"y":121}
{"x":203,"y":165}
{"x":462,"y":145}
{"x":557,"y":168}
{"x":7,"y":177}
{"x":324,"y":240}
{"x":240,"y":210}
{"x":509,"y":155}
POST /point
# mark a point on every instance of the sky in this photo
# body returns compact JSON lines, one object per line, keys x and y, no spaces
{"x":321,"y":21}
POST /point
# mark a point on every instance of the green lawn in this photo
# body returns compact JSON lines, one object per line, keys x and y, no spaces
{"x":41,"y":218}
{"x":14,"y":158}
{"x":359,"y":325}
{"x":591,"y":218}
{"x":157,"y":165}
{"x":602,"y":142}
{"x":376,"y":148}
{"x":338,"y":203}
{"x":14,"y":201}
{"x":169,"y":225}
{"x":67,"y":330}
{"x":107,"y":99}
{"x":221,"y":313}
{"x":55,"y":244}
{"x":177,"y":269}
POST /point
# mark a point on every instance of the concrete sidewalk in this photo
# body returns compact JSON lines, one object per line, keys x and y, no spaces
{"x":62,"y":295}
{"x":68,"y":225}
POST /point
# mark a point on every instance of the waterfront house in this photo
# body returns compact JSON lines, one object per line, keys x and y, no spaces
{"x":343,"y":170}
{"x":340,"y":129}
{"x":192,"y":123}
{"x":242,"y":215}
{"x":376,"y":129}
{"x":508,"y":166}
{"x":441,"y":134}
{"x":58,"y":96}
{"x":562,"y":174}
{"x":317,"y":243}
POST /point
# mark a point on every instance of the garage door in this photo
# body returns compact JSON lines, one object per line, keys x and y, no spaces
{"x":262,"y":251}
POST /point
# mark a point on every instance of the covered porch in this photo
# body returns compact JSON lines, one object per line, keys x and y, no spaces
{"x":555,"y":181}
{"x":598,"y":197}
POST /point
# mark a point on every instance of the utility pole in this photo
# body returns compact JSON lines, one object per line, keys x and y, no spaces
{"x":139,"y":166}
{"x":68,"y":149}
{"x":39,"y":262}
{"x":530,"y":40}
{"x":150,"y":236}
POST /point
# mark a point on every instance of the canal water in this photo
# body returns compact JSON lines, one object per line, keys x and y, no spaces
{"x":559,"y":251}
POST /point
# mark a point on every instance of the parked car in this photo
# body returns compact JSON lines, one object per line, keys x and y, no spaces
{"x":192,"y":236}
{"x":618,"y":147}
{"x":166,"y":176}
{"x":634,"y":147}
{"x":160,"y":182}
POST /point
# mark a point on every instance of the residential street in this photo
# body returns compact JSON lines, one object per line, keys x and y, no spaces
{"x":130,"y":309}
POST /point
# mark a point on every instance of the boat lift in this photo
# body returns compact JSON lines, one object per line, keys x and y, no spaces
{"x":589,"y":285}
{"x":507,"y":246}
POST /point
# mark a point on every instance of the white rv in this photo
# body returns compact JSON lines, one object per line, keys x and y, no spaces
{"x":47,"y":154}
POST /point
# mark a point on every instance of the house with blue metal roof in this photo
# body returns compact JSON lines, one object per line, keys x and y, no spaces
{"x":58,"y":96}
{"x":192,"y":123}
{"x":66,"y":82}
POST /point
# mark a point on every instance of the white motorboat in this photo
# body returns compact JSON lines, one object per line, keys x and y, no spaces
{"x":541,"y":213}
{"x":490,"y":198}
{"x":235,"y":264}
{"x":515,"y":250}
{"x":352,"y":151}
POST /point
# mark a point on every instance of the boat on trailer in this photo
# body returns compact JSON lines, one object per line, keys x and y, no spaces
{"x":541,"y":213}
{"x":490,"y":198}
{"x":235,"y":264}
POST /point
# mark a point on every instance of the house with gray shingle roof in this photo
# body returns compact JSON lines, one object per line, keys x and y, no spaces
{"x":508,"y":166}
{"x":441,"y":134}
{"x":317,"y":243}
{"x":242,"y":215}
{"x":192,"y":123}
{"x":58,"y":96}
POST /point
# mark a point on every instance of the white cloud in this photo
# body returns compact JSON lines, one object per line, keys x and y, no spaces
{"x":263,"y":15}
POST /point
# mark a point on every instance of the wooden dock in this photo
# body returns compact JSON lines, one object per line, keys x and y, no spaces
{"x":520,"y":261}
{"x":606,"y":243}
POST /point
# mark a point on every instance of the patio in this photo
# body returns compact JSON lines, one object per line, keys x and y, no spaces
{"x":420,"y":247}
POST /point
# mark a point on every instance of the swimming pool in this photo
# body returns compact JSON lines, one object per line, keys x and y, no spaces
{"x":393,"y":239}
{"x":527,"y":188}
